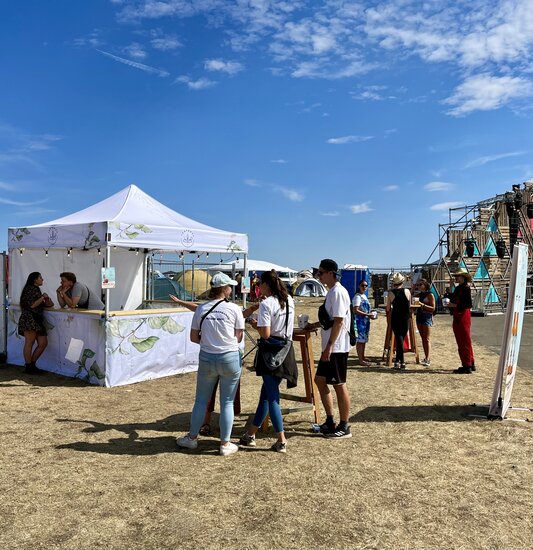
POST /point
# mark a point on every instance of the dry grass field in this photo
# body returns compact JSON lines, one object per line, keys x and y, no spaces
{"x":88,"y":467}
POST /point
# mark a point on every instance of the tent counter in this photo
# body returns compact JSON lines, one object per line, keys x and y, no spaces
{"x":131,"y":346}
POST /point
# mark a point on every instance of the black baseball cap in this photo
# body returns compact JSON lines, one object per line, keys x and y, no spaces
{"x":329,"y":265}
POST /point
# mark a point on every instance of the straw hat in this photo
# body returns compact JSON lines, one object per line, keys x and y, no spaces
{"x":462,"y":272}
{"x":397,"y":279}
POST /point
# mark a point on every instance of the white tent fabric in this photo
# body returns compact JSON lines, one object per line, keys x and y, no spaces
{"x":255,"y":265}
{"x":310,"y":287}
{"x":132,"y":219}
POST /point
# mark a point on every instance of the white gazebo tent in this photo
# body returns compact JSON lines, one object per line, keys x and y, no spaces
{"x":119,"y":231}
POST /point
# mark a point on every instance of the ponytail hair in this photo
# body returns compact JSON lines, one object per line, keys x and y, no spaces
{"x":276,"y":286}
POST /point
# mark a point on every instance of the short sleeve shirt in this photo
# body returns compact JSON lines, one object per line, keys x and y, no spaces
{"x":81,"y":290}
{"x":218,"y":328}
{"x":271,"y":315}
{"x":338,"y":305}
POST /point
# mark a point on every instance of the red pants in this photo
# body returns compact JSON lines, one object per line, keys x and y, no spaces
{"x":461,"y":329}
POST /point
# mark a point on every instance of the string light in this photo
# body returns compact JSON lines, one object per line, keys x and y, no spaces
{"x":69,"y":251}
{"x":21,"y":251}
{"x":46,"y":253}
{"x":136,"y":252}
{"x":99,"y":252}
{"x":207,"y":254}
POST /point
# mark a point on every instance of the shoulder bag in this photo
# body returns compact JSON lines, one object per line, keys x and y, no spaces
{"x":275,"y":349}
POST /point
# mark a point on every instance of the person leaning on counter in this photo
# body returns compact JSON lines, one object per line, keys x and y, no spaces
{"x":74,"y":294}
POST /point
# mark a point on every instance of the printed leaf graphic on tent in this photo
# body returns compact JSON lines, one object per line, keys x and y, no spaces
{"x":113,"y":328}
{"x":146,"y":344}
{"x":142,"y":227}
{"x":157,"y":322}
{"x":96,"y":371}
{"x":131,"y":234}
{"x":172,"y":327}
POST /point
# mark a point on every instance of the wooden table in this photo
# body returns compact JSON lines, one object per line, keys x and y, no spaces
{"x":390,"y":341}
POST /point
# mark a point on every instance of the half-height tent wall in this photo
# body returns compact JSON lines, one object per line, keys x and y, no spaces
{"x":120,"y":232}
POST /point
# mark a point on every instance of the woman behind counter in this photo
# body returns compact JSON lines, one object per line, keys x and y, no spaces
{"x":31,"y":322}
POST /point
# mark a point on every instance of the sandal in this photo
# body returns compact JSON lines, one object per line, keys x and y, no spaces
{"x":205,"y":430}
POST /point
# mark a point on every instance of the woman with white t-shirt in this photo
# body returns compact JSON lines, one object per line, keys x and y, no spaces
{"x":275,"y":319}
{"x":218,"y":327}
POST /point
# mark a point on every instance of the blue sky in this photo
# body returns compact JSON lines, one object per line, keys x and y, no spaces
{"x":321,"y":128}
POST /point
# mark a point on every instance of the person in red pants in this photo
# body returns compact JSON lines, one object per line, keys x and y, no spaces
{"x":460,"y":306}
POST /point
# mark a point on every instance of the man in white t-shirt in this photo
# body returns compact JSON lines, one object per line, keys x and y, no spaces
{"x":335,"y":318}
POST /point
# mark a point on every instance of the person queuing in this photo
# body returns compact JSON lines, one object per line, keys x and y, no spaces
{"x":398,"y":304}
{"x":205,"y":428}
{"x":218,"y":327}
{"x":460,"y":306}
{"x":71,"y":293}
{"x":362,"y":311}
{"x":31,"y":323}
{"x":424,"y":318}
{"x":275,"y":319}
{"x":334,"y":319}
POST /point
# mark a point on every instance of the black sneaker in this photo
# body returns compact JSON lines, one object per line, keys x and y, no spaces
{"x":326,"y":429}
{"x":463,"y":370}
{"x":340,"y":433}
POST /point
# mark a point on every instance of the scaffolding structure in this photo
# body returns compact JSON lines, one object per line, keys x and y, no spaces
{"x":480,"y":238}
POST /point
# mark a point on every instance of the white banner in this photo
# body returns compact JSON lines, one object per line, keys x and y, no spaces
{"x":512,"y":333}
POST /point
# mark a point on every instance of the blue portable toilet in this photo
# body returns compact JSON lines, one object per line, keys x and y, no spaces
{"x":352,"y":275}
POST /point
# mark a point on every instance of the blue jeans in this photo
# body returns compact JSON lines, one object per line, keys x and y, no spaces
{"x":226,"y":368}
{"x":269,"y":403}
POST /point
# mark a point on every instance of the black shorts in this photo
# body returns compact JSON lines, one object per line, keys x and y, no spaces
{"x":334,"y":370}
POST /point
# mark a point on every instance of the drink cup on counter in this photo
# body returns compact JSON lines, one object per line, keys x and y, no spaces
{"x":445,"y":302}
{"x":373,"y":315}
{"x":303,"y":320}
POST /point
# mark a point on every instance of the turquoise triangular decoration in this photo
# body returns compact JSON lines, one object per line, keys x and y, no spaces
{"x":462,"y":264}
{"x":490,"y":249}
{"x":492,"y":296}
{"x":481,"y":272}
{"x":433,"y":291}
{"x":492,"y":225}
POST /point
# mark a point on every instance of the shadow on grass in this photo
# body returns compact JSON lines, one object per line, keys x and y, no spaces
{"x":133,"y":443}
{"x":13,"y":373}
{"x":423,"y":413}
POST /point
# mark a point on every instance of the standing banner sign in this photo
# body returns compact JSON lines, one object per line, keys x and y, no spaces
{"x":512,"y":333}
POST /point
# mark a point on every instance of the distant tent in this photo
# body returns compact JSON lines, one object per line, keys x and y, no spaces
{"x":164,"y":286}
{"x":310,"y":287}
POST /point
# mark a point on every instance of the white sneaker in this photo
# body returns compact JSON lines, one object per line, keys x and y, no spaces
{"x":229,"y":449}
{"x":187,"y":442}
{"x":425,"y":362}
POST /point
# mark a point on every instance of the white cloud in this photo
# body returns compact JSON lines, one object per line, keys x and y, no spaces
{"x":446,"y":205}
{"x":20,"y":203}
{"x":330,"y":214}
{"x":166,"y":43}
{"x":135,"y":65}
{"x":438,"y":186}
{"x":391,"y":188}
{"x":278,"y":161}
{"x":485,"y":92}
{"x":228,"y":67}
{"x":288,"y":193}
{"x":252,"y":183}
{"x":39,"y":143}
{"x":136,"y":51}
{"x":348,"y":139}
{"x":480,"y":161}
{"x":7,"y":186}
{"x":200,"y":84}
{"x":361,"y":208}
{"x":92,"y":40}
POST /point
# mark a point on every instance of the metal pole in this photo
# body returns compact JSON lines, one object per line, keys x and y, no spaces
{"x":245,"y":274}
{"x":107,"y":264}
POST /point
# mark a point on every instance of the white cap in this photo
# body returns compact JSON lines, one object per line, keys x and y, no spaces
{"x":220,"y":279}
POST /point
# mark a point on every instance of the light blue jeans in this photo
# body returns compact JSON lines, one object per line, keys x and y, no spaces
{"x":225,"y":367}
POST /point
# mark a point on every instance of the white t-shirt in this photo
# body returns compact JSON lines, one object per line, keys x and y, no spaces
{"x":358,"y":299}
{"x":218,"y":328}
{"x":271,"y":315}
{"x":338,"y":305}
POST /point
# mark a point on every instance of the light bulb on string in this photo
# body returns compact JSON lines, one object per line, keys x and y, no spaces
{"x":136,"y":252}
{"x":46,"y":253}
{"x":99,"y":252}
{"x":69,"y":251}
{"x":21,"y":251}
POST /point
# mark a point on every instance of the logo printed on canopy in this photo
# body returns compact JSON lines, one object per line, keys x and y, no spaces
{"x":187,"y":238}
{"x":53,"y":234}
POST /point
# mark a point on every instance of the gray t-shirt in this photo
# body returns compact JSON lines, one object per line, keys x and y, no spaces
{"x":81,"y":290}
